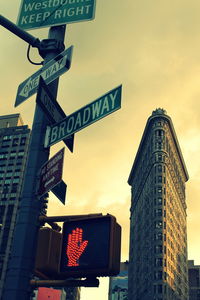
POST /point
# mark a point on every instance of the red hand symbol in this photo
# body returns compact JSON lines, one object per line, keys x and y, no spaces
{"x":75,"y":247}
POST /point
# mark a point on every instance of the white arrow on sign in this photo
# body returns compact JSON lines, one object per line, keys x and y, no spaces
{"x":50,"y":71}
{"x":24,"y":92}
{"x":50,"y":181}
{"x":33,"y":82}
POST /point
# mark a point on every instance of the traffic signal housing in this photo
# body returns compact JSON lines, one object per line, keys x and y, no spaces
{"x":90,"y":247}
{"x":48,"y":252}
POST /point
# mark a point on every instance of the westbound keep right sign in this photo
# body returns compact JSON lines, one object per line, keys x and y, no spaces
{"x":45,"y":13}
{"x":85,"y":116}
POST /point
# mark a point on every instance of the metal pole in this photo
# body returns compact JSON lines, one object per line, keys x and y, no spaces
{"x":30,"y":39}
{"x":45,"y":219}
{"x":88,"y":282}
{"x":20,"y":268}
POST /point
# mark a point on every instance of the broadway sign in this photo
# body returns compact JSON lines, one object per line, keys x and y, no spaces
{"x":44,"y":13}
{"x":85,"y":116}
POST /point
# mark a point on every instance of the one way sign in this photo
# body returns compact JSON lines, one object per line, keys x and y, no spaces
{"x":52,"y":70}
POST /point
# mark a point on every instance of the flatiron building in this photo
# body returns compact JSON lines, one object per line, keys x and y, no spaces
{"x":158,"y":234}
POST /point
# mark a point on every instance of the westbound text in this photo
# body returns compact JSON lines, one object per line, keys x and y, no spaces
{"x":39,"y":13}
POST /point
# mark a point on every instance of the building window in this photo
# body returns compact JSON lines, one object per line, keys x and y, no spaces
{"x":158,"y":201}
{"x":158,"y":249}
{"x":5,"y":189}
{"x":160,"y":132}
{"x":160,"y":289}
{"x":158,"y":236}
{"x":5,"y":144}
{"x":9,"y":212}
{"x":7,"y":181}
{"x":16,"y":180}
{"x":12,"y":154}
{"x":13,"y":195}
{"x":159,"y":145}
{"x":10,"y":168}
{"x":8,"y":175}
{"x":21,"y":153}
{"x":14,"y":188}
{"x":15,"y":142}
{"x":7,"y":137}
{"x":158,"y":212}
{"x":158,"y":262}
{"x":23,"y":141}
{"x":158,"y":275}
{"x":4,"y":196}
{"x":19,"y":161}
{"x":3,"y":155}
{"x":16,"y":174}
{"x":158,"y":224}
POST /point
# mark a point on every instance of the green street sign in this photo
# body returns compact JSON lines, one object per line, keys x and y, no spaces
{"x":44,"y":13}
{"x":83,"y":117}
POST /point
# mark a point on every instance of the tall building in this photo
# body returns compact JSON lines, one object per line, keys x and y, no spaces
{"x":194,"y":280}
{"x":14,"y":139}
{"x":158,"y":236}
{"x":118,"y":285}
{"x":73,"y":293}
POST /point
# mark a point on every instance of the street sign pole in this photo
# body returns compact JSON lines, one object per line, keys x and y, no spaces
{"x":52,"y":109}
{"x":20,"y":268}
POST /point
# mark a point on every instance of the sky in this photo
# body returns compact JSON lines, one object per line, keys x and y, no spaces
{"x":152,"y":48}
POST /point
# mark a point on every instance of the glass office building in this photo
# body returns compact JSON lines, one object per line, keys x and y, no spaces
{"x":14,"y":140}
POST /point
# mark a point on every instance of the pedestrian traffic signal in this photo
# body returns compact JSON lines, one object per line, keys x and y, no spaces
{"x":48,"y":252}
{"x":90,"y":247}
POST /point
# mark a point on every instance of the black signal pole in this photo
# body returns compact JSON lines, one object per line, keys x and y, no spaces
{"x":21,"y":264}
{"x":30,"y":39}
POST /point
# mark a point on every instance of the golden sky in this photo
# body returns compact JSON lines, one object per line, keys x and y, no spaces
{"x":152,"y":48}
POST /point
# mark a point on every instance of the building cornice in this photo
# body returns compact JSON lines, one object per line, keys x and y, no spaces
{"x":158,"y":114}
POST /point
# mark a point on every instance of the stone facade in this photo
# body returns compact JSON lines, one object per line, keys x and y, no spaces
{"x":194,"y":280}
{"x":158,"y":234}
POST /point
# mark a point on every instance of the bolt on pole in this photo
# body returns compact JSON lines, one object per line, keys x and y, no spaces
{"x":21,"y":264}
